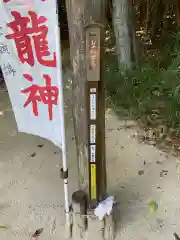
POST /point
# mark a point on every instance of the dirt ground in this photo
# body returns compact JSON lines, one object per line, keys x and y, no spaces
{"x":31,"y":192}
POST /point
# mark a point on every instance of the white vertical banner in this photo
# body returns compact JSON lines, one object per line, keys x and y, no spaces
{"x":30,"y":62}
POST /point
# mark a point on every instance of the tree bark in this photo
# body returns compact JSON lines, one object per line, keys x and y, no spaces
{"x":142,"y":11}
{"x":121,"y":17}
{"x":178,"y":13}
{"x":157,"y":16}
{"x":76,"y":22}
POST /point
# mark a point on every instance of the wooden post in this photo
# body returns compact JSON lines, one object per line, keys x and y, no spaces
{"x":95,"y":114}
{"x":76,"y":22}
{"x":86,"y":31}
{"x":96,"y":15}
{"x":80,"y":14}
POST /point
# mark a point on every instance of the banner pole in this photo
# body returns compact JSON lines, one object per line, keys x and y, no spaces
{"x":64,"y":170}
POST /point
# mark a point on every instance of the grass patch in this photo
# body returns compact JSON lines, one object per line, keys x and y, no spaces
{"x":139,"y":92}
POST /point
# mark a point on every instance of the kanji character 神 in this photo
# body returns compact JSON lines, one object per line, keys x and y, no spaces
{"x":44,"y":94}
{"x":24,"y":35}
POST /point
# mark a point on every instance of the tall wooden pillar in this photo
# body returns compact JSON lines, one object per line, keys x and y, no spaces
{"x":85,"y":17}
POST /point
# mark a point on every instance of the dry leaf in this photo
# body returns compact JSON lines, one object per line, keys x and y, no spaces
{"x":37,"y":233}
{"x":141,"y":172}
{"x":40,"y":145}
{"x":33,"y":154}
{"x":163,"y":173}
{"x":158,"y":162}
{"x":176,"y":236}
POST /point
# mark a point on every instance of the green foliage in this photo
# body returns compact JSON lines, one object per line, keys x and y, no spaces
{"x":153,"y":206}
{"x":149,"y":87}
{"x":172,"y":43}
{"x":4,"y":228}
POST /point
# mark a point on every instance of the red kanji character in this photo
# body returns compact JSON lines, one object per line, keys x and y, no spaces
{"x":45,"y":94}
{"x":21,"y":35}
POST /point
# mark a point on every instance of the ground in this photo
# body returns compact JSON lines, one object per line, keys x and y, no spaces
{"x":31,"y":192}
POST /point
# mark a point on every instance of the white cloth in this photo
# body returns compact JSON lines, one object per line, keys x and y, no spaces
{"x":104,"y":208}
{"x":15,"y":68}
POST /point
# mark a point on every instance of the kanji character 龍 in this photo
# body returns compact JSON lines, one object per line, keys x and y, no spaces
{"x":24,"y":34}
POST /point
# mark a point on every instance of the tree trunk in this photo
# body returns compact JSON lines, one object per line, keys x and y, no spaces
{"x":80,"y":13}
{"x":108,"y":12}
{"x":76,"y":22}
{"x":157,"y":20}
{"x":121,"y":20}
{"x":134,"y":45}
{"x":142,"y":11}
{"x":178,"y":13}
{"x":147,"y":16}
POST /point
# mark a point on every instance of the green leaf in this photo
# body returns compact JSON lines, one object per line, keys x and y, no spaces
{"x":153,"y":206}
{"x":4,"y":228}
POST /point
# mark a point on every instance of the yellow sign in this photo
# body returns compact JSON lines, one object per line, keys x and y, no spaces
{"x":93,"y":182}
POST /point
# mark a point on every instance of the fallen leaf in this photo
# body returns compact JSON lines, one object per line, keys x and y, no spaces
{"x":158,"y":162}
{"x":4,"y":227}
{"x":176,"y":236}
{"x":141,"y":172}
{"x":163,"y":173}
{"x":33,"y":154}
{"x":40,"y":145}
{"x":1,"y":113}
{"x":153,"y":206}
{"x":160,"y":222}
{"x":37,"y":233}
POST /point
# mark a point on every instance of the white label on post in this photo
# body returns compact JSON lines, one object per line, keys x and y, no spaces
{"x":93,"y":90}
{"x":93,"y":153}
{"x":93,"y":106}
{"x":93,"y":133}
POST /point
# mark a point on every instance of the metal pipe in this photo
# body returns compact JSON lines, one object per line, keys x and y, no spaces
{"x":62,"y":122}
